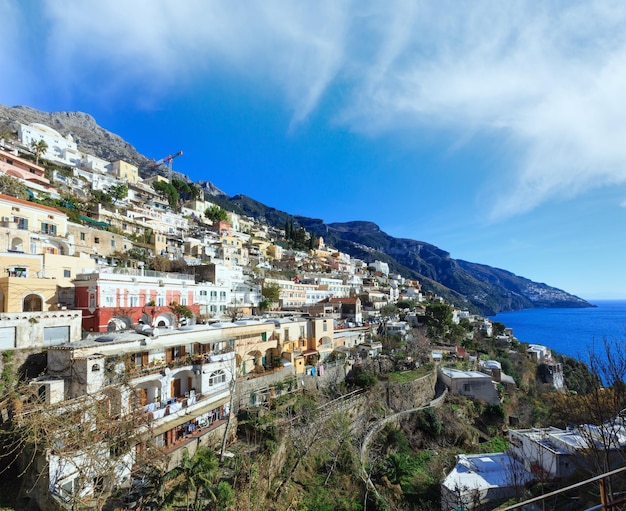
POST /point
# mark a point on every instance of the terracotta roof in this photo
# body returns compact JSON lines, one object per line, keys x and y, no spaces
{"x":348,"y":299}
{"x":29,"y":203}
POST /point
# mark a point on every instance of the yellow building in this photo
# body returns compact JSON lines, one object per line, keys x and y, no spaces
{"x":125,"y":171}
{"x":233,"y":251}
{"x":23,"y":288}
{"x":24,"y":217}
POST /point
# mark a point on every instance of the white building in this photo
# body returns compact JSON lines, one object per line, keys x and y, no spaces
{"x":472,"y":384}
{"x":172,"y":391}
{"x":381,"y":267}
{"x":478,"y":479}
{"x":60,"y":149}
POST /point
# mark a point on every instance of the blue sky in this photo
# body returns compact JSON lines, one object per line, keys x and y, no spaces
{"x":494,"y":130}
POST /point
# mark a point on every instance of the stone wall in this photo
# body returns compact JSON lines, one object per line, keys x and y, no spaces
{"x":398,"y":397}
{"x":260,"y":389}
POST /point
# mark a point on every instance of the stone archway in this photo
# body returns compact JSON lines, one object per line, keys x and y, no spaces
{"x":17,"y":244}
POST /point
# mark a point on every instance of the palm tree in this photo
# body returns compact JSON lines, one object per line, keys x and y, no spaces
{"x":193,"y":477}
{"x":40,"y":147}
{"x":397,"y":466}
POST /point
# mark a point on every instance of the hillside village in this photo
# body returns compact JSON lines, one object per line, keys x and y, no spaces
{"x":144,"y":322}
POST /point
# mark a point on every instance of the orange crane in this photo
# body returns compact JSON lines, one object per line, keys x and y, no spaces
{"x":168,"y":160}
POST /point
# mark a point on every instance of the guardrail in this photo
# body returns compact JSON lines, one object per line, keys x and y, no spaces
{"x":605,"y":502}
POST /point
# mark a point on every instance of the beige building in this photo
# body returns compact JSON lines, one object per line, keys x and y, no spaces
{"x":303,"y":341}
{"x":87,"y":239}
{"x":28,"y":216}
{"x":37,"y":262}
{"x":233,"y":251}
{"x":125,"y":171}
{"x":39,"y":282}
{"x":23,"y":289}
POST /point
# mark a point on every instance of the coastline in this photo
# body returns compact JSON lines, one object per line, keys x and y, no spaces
{"x":571,"y":332}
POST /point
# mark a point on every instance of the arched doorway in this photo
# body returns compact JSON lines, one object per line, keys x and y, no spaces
{"x":17,"y":244}
{"x":32,"y":303}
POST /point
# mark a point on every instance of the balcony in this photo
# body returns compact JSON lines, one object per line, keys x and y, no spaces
{"x":193,"y":361}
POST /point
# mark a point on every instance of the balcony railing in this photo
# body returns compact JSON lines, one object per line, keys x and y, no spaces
{"x":606,"y":501}
{"x":189,"y":360}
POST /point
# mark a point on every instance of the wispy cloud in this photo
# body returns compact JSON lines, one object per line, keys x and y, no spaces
{"x":546,"y":79}
{"x":158,"y":44}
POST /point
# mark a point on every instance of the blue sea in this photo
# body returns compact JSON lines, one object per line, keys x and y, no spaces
{"x":571,"y":332}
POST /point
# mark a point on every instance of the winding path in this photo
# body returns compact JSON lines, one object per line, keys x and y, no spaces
{"x":440,"y":394}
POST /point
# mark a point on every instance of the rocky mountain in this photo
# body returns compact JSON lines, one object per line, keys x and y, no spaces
{"x":89,"y":136}
{"x":478,"y":287}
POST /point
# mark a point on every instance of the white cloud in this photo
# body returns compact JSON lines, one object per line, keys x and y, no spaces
{"x":547,"y":78}
{"x":159,"y":44}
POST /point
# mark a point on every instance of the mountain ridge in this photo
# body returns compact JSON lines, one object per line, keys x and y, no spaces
{"x":475,"y":286}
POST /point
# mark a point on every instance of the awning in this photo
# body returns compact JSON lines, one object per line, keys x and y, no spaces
{"x":94,"y":222}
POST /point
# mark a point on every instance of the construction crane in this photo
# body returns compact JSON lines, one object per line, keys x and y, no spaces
{"x":168,"y":160}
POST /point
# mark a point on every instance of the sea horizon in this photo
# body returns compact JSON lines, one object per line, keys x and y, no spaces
{"x":573,"y":332}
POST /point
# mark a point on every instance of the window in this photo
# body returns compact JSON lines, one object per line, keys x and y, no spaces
{"x":467,"y":387}
{"x":112,"y":243}
{"x":203,"y":292}
{"x":217,"y":377}
{"x":67,"y":273}
{"x":56,"y":335}
{"x":213,"y":294}
{"x":96,"y":240}
{"x":82,"y":236}
{"x":47,"y":228}
{"x":7,"y":337}
{"x":22,"y":223}
{"x":32,"y":303}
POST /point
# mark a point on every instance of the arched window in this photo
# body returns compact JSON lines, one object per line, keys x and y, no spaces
{"x":95,"y":367}
{"x":217,"y":377}
{"x":33,"y":303}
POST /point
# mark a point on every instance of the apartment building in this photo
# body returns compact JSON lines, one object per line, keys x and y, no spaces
{"x":120,"y":298}
{"x":142,"y":397}
{"x":125,"y":171}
